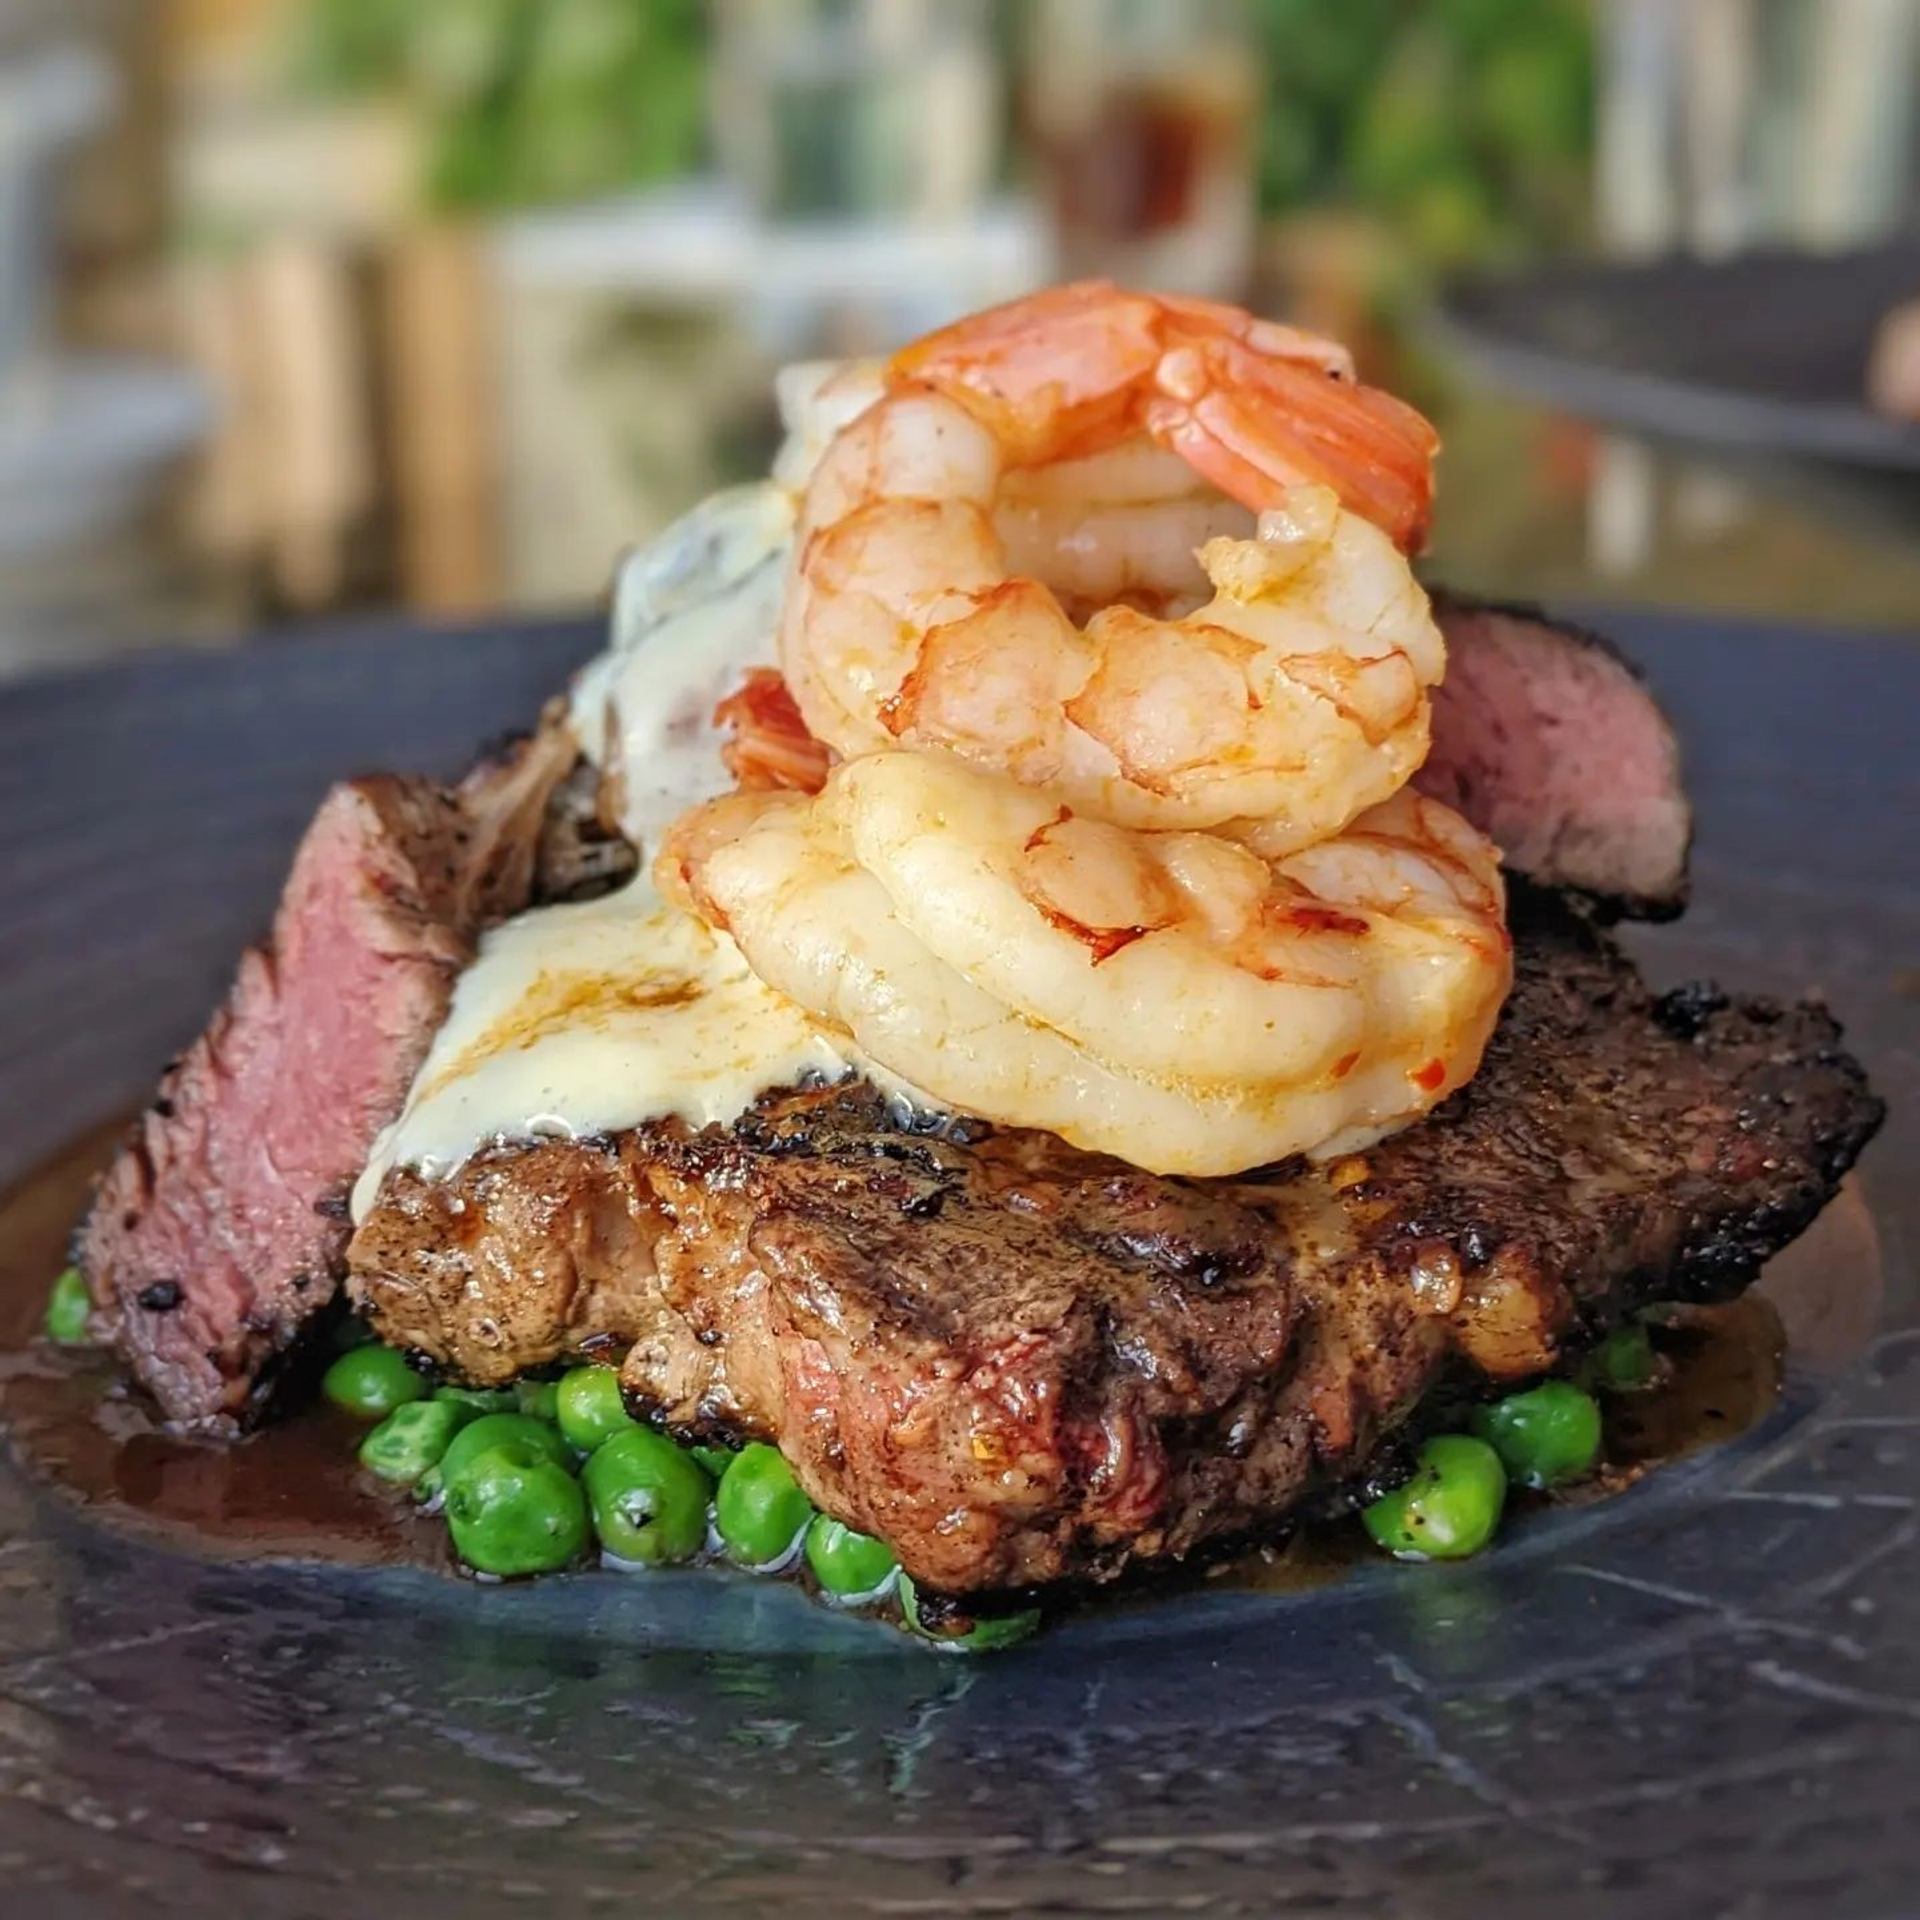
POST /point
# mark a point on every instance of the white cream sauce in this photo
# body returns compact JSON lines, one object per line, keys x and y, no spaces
{"x":692,"y":611}
{"x":578,"y":1020}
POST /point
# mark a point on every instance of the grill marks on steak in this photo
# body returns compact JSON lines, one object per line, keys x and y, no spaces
{"x":219,"y":1230}
{"x":1022,"y":1363}
{"x":973,"y":1350}
{"x":1546,"y":738}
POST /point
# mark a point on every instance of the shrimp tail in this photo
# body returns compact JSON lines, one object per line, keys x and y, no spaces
{"x":1254,"y":425}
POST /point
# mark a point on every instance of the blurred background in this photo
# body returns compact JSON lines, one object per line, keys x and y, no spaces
{"x":315,"y":308}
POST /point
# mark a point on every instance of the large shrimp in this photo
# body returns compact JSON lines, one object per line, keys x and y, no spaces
{"x":1068,"y":455}
{"x":1169,"y":997}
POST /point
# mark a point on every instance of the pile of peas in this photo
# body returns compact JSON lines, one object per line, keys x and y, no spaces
{"x":530,"y":1479}
{"x":1545,"y":1437}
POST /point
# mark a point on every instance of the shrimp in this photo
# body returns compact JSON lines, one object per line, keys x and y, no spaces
{"x":1067,"y":456}
{"x":1251,"y":404}
{"x":1083,"y":805}
{"x":1172,"y":998}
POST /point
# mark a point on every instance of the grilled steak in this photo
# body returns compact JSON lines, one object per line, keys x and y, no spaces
{"x":1021,"y":1363}
{"x":1546,"y":738}
{"x":218,"y":1231}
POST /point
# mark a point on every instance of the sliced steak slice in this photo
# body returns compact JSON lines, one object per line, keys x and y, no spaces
{"x":218,"y":1231}
{"x":1546,"y":738}
{"x":1020,"y":1363}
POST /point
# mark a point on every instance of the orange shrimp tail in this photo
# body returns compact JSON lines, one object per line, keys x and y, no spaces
{"x":771,"y":748}
{"x":1255,"y":425}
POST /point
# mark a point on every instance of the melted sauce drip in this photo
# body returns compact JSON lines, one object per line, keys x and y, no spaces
{"x":591,"y":1017}
{"x":295,"y":1492}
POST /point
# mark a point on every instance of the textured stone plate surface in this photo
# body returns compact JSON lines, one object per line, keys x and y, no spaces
{"x":1700,"y":1699}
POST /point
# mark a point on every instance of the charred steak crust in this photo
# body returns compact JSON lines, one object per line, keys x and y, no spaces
{"x":218,"y":1232}
{"x":1021,"y":1363}
{"x":582,"y":854}
{"x":1547,"y":738}
{"x":524,"y":1256}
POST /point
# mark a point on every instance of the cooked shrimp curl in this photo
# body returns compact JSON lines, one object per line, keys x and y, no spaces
{"x":1067,"y":458}
{"x":1109,"y":669}
{"x":1168,"y":997}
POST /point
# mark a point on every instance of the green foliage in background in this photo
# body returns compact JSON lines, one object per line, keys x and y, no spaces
{"x":523,"y":101}
{"x":1467,"y":124}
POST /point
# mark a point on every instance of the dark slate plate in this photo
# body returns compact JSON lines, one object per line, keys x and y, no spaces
{"x":1702,"y":1698}
{"x":1765,"y":354}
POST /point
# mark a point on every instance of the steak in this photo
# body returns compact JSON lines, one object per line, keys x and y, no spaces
{"x":1020,"y":1363}
{"x":218,"y":1232}
{"x":1546,"y":738}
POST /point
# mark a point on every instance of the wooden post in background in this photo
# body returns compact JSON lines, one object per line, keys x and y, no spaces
{"x":443,"y":413}
{"x":317,"y":462}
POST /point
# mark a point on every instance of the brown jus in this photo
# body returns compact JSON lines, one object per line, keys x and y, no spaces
{"x":294,"y":1492}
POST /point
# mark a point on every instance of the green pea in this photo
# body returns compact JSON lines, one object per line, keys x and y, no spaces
{"x":480,"y":1399}
{"x":537,"y":1398}
{"x":649,"y":1498}
{"x":412,"y":1438}
{"x":965,"y":1633}
{"x":589,"y":1408}
{"x":371,"y":1382}
{"x":1451,"y":1506}
{"x":491,"y":1430}
{"x":716,"y":1460}
{"x":68,"y":1306}
{"x":1624,"y":1362}
{"x":1545,"y":1436}
{"x":850,"y":1566}
{"x":503,"y":1429}
{"x":760,"y":1510}
{"x":512,"y":1510}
